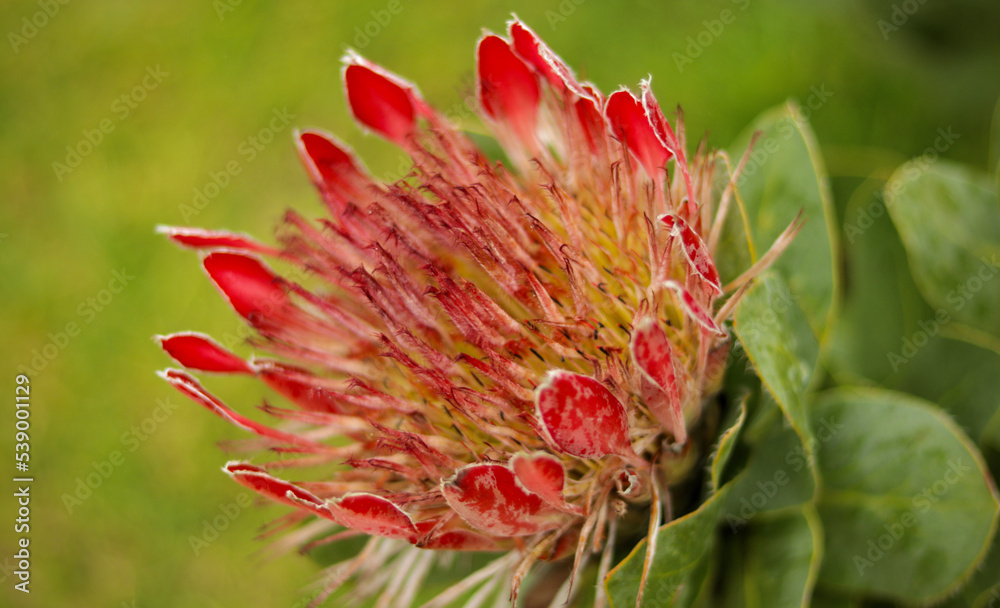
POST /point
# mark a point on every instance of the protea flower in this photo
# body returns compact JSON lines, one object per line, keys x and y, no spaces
{"x":481,"y":357}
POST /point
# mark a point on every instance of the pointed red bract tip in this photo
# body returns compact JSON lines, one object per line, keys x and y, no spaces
{"x":526,"y":44}
{"x":333,"y":168}
{"x":508,"y":90}
{"x":373,"y":514}
{"x":379,"y":100}
{"x":693,"y":309}
{"x":200,"y":352}
{"x":544,"y":475}
{"x":588,"y":114}
{"x":538,"y":55}
{"x":249,"y":285}
{"x":695,"y":250}
{"x":260,"y":481}
{"x":630,"y":124}
{"x":582,"y":417}
{"x":488,"y":497}
{"x":186,"y":384}
{"x":198,"y":238}
{"x":656,"y":118}
{"x":654,"y":355}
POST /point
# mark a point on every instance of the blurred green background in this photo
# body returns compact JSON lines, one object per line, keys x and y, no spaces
{"x":180,"y":88}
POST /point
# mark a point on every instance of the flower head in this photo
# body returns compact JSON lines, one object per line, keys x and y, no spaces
{"x":481,"y":357}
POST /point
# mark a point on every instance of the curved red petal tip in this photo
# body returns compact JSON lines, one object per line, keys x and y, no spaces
{"x":528,"y":45}
{"x":248,"y":284}
{"x":332,"y":166}
{"x":373,"y":514}
{"x":655,"y":357}
{"x":538,"y":55}
{"x":693,"y":309}
{"x":695,"y":250}
{"x":544,"y":475}
{"x":656,"y":118}
{"x":488,"y":497}
{"x":379,"y":100}
{"x":582,"y":417}
{"x":508,"y":90}
{"x":260,"y":481}
{"x":588,"y":114}
{"x":200,"y":352}
{"x":629,"y":123}
{"x":186,"y":384}
{"x":198,"y":238}
{"x":326,"y":158}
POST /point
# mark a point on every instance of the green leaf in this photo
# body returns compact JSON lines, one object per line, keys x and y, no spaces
{"x":784,"y":175}
{"x":783,"y":557}
{"x":824,"y":599}
{"x":683,"y":548}
{"x":778,"y":475}
{"x":775,"y":334}
{"x":961,"y":378}
{"x":905,"y":500}
{"x":984,"y":586}
{"x":995,"y":147}
{"x":949,"y":221}
{"x":728,"y":574}
{"x":887,"y":334}
{"x":774,"y":564}
{"x":881,"y":305}
{"x":727,"y":441}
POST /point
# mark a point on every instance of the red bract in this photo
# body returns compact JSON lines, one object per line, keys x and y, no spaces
{"x":582,"y":417}
{"x":333,"y":169}
{"x":489,"y":498}
{"x":379,"y":100}
{"x":478,"y":357}
{"x":631,"y":125}
{"x":252,"y":288}
{"x":654,"y":355}
{"x":198,"y":351}
{"x":508,"y":90}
